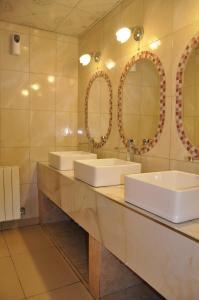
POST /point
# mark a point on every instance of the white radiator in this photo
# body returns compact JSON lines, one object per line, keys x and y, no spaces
{"x":9,"y":194}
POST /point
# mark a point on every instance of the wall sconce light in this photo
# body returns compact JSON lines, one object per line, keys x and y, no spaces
{"x":86,"y":58}
{"x":124,"y":33}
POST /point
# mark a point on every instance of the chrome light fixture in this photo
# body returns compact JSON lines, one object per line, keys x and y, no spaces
{"x":124,"y":33}
{"x":85,"y":59}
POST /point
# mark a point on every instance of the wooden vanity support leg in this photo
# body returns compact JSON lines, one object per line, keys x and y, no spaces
{"x":107,"y":274}
{"x":94,"y":267}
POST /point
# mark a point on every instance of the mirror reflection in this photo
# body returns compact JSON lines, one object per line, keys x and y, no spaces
{"x":141,"y":102}
{"x":190,"y":94}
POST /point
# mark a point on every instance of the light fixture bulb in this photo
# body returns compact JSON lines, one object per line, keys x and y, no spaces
{"x":85,"y":59}
{"x":154,"y":45}
{"x":123,"y":34}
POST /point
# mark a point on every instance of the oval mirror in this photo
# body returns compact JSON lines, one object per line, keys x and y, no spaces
{"x":187,"y":97}
{"x":141,"y":101}
{"x":98,"y":109}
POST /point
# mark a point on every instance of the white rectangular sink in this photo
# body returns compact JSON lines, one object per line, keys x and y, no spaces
{"x":64,"y":160}
{"x":104,"y":172}
{"x":172,"y":195}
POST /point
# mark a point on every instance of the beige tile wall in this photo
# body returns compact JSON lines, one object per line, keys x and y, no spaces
{"x":173,"y":22}
{"x":36,"y":123}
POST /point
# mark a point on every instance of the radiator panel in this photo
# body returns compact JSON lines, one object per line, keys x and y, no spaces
{"x":2,"y":203}
{"x":9,"y":194}
{"x":16,"y":193}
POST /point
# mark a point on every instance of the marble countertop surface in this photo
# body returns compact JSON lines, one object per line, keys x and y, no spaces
{"x":116,"y":194}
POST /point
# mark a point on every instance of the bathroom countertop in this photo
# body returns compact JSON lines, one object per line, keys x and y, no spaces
{"x":116,"y":193}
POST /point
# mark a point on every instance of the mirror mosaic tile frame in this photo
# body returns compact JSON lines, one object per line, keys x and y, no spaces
{"x":99,"y":74}
{"x":159,"y":67}
{"x":193,"y":43}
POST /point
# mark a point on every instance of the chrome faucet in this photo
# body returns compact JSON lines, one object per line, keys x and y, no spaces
{"x":91,"y":145}
{"x":103,"y":139}
{"x":146,"y":141}
{"x":130,"y":150}
{"x":193,"y":158}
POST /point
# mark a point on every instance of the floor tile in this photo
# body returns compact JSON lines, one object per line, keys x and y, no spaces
{"x":55,"y":228}
{"x":83,"y":270}
{"x":3,"y":247}
{"x":139,"y":292}
{"x":43,"y":271}
{"x":73,"y":242}
{"x":74,"y":245}
{"x":26,"y":239}
{"x":9,"y":284}
{"x":74,"y":292}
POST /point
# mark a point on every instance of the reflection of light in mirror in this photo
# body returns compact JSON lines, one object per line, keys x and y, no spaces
{"x":110,"y":64}
{"x":85,"y":59}
{"x":80,"y":131}
{"x":67,"y":131}
{"x":25,"y":93}
{"x":155,"y":44}
{"x":51,"y":79}
{"x":35,"y":87}
{"x":123,"y":34}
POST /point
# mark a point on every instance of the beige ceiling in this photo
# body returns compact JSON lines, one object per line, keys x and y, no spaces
{"x":71,"y":17}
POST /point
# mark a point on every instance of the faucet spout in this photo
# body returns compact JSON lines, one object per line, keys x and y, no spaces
{"x":130,"y":150}
{"x":91,"y":145}
{"x":193,"y":158}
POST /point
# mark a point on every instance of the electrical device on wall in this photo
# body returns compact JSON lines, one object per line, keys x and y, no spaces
{"x":124,"y":33}
{"x":15,"y":44}
{"x":85,"y":59}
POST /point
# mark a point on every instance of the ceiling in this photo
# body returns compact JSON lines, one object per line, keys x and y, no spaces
{"x":71,"y":17}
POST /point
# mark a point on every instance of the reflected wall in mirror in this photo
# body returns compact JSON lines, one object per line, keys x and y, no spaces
{"x":98,"y":109}
{"x":141,"y":101}
{"x":187,"y":97}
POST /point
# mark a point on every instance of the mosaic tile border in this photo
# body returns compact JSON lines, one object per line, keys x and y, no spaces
{"x":193,"y":43}
{"x":99,"y":74}
{"x":157,"y":63}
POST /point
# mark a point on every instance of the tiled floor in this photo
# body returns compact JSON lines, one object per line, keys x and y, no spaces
{"x":72,"y":240}
{"x":32,"y":267}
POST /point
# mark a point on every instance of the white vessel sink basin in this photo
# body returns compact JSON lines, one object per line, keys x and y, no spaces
{"x":64,"y":160}
{"x":173,"y":195}
{"x":104,"y":172}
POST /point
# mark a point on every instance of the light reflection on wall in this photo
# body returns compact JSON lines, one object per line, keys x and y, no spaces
{"x":110,"y":64}
{"x":35,"y":86}
{"x":25,"y":92}
{"x":51,"y":78}
{"x":68,"y":131}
